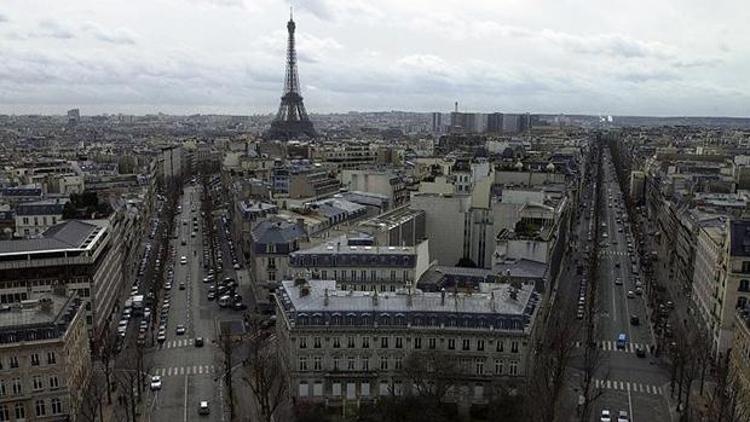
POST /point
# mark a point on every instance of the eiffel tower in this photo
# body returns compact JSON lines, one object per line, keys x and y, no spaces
{"x":291,"y":121}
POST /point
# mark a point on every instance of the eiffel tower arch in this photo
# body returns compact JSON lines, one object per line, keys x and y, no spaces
{"x":291,"y":120}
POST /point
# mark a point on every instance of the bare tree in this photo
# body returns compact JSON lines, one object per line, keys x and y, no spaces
{"x":226,"y":344}
{"x":105,"y":350}
{"x":93,"y":401}
{"x":263,"y":367}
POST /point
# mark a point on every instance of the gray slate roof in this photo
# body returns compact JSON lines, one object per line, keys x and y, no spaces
{"x":276,"y":230}
{"x":67,"y":235}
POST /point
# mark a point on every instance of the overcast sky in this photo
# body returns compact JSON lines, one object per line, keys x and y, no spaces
{"x":645,"y":57}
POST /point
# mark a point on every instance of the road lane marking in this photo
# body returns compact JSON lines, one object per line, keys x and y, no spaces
{"x":186,"y":399}
{"x":630,"y":405}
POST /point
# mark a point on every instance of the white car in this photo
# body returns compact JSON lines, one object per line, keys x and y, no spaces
{"x":155,"y":383}
{"x":623,"y":416}
{"x":606,"y":416}
{"x":180,"y":330}
{"x":183,"y":260}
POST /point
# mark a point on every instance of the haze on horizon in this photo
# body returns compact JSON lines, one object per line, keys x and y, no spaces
{"x":635,"y":57}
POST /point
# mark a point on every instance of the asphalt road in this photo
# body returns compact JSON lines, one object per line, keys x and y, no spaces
{"x":189,"y":374}
{"x":637,"y":385}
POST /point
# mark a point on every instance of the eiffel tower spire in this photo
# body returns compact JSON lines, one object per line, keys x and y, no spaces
{"x":291,"y":120}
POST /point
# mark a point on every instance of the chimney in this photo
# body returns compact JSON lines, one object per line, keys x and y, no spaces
{"x":442,"y":296}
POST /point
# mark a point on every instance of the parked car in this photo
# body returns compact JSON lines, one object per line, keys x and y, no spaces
{"x":155,"y":383}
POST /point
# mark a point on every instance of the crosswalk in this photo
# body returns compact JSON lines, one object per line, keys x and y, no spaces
{"x":612,"y":253}
{"x":611,"y":346}
{"x":184,"y":370}
{"x":173,"y":344}
{"x":634,"y":387}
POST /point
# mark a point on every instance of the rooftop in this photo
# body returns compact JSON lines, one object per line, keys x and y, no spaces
{"x":38,"y":319}
{"x":322,"y":295}
{"x":740,"y":238}
{"x":72,"y":234}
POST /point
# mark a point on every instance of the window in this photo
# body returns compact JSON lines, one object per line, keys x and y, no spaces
{"x":56,"y":406}
{"x":498,"y":367}
{"x":399,"y":342}
{"x":373,"y":275}
{"x":26,"y":220}
{"x":51,"y":360}
{"x":317,"y":363}
{"x":741,"y":302}
{"x":365,"y":342}
{"x":393,"y":275}
{"x":41,"y":410}
{"x":514,"y":347}
{"x":54,"y":382}
{"x":365,"y":363}
{"x":303,"y":342}
{"x":383,"y":363}
{"x":364,"y":275}
{"x":20,"y":411}
{"x":466,"y":344}
{"x":350,"y":363}
{"x":431,"y":343}
{"x":451,"y":344}
{"x":17,"y":386}
{"x":384,"y":342}
{"x":316,"y":342}
{"x":350,"y":342}
{"x":2,"y":388}
{"x":13,"y":361}
{"x":746,"y":266}
{"x":514,"y":368}
{"x":336,"y":360}
{"x":480,"y":345}
{"x":4,"y":415}
{"x":744,"y":286}
{"x":38,"y":384}
{"x":500,"y":345}
{"x":336,"y":343}
{"x":479,"y":366}
{"x":354,"y":275}
{"x":417,"y":342}
{"x":398,"y":363}
{"x":303,"y":363}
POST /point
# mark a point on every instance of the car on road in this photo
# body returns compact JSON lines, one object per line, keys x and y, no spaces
{"x":606,"y":416}
{"x":198,"y":342}
{"x":161,"y":338}
{"x":183,"y":242}
{"x":634,"y":320}
{"x":622,"y":340}
{"x":182,"y":285}
{"x":180,"y":330}
{"x":622,"y":416}
{"x":618,"y":281}
{"x":236,"y":266}
{"x":239,"y":306}
{"x":211,"y":296}
{"x":225,"y":301}
{"x":155,"y":383}
{"x":203,"y":408}
{"x":640,"y":352}
{"x":183,"y":260}
{"x":631,"y":294}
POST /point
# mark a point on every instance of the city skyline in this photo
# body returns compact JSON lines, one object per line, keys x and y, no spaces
{"x":227,"y":57}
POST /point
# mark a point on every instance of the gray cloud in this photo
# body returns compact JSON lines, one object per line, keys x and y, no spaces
{"x":49,"y":28}
{"x":112,"y":36}
{"x":3,"y":18}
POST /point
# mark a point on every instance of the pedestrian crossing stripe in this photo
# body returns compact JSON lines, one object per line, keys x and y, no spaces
{"x":184,"y":370}
{"x":633,"y":387}
{"x":611,"y":346}
{"x":178,"y":343}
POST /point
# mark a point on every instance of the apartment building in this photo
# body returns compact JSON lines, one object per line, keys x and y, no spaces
{"x":83,"y":256}
{"x":357,"y":263}
{"x":45,"y":362}
{"x":341,"y":345}
{"x":33,"y":218}
{"x":739,"y":369}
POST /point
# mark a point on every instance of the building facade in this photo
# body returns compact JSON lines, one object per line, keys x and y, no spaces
{"x":45,"y":363}
{"x":82,"y":256}
{"x":341,"y":345}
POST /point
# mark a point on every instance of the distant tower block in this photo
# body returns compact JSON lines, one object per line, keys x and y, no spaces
{"x":291,"y":121}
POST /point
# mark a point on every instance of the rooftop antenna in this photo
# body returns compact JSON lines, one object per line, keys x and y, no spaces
{"x":291,"y":14}
{"x":456,"y":105}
